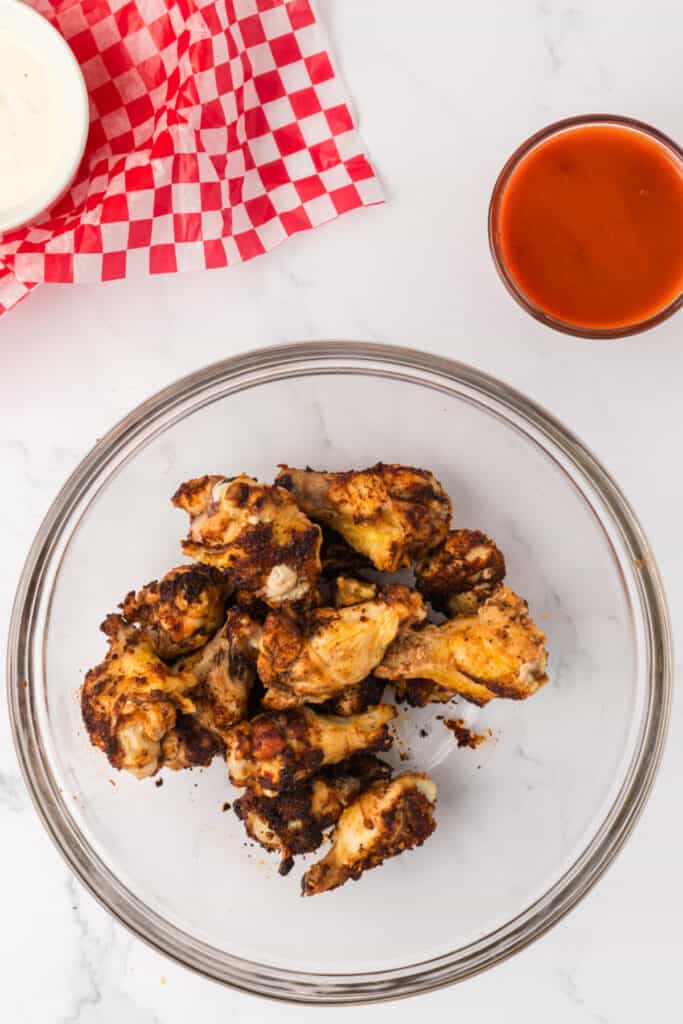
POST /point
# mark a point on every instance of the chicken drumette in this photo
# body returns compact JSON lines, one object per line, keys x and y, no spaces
{"x":131,"y":701}
{"x":385,"y":820}
{"x":256,"y":532}
{"x":278,"y":751}
{"x":294,"y":822}
{"x":224,"y":672}
{"x":392,"y":514}
{"x":461,"y":573}
{"x":319,"y":656}
{"x":181,"y":611}
{"x":499,"y":652}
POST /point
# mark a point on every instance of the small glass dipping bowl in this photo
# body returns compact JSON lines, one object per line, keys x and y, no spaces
{"x":670,"y":150}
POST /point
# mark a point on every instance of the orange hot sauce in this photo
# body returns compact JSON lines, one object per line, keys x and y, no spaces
{"x":588,"y":226}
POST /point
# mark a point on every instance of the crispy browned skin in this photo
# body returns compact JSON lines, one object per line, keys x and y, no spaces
{"x":256,"y":532}
{"x":391,"y":514}
{"x":461,"y":573}
{"x":278,"y":751}
{"x":130,"y":701}
{"x":225,"y":671}
{"x":499,"y":652}
{"x":294,"y":822}
{"x":318,"y":656}
{"x":179,"y":612}
{"x":385,"y":820}
{"x":355,"y":699}
{"x":189,"y":745}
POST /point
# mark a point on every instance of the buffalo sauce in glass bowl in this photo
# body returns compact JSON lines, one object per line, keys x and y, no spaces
{"x":586,"y":226}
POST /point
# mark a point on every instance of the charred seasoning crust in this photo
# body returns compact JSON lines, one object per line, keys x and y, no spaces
{"x":259,"y":553}
{"x":199,"y":745}
{"x":451,"y":569}
{"x":288,"y":817}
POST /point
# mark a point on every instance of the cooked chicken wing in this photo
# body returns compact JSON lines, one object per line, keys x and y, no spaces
{"x":224,"y":672}
{"x":319,"y":656}
{"x":385,"y":820}
{"x":392,"y":514}
{"x":499,"y":652}
{"x":181,"y":611}
{"x":278,"y":751}
{"x":256,"y":532}
{"x":294,"y":822}
{"x":461,"y":573}
{"x":130,"y":702}
{"x":355,"y":699}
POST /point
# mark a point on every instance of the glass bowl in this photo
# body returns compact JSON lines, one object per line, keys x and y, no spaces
{"x":526,"y":823}
{"x":673,"y":152}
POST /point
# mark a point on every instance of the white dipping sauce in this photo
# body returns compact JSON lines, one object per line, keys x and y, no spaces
{"x":28,"y":148}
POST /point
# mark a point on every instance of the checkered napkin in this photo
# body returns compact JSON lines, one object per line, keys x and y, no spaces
{"x":218,"y":128}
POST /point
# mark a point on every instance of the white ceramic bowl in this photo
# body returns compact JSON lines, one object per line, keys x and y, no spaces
{"x":23,"y":28}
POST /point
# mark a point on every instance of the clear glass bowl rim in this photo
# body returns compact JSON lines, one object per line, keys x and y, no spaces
{"x":576,"y":330}
{"x":142,"y":424}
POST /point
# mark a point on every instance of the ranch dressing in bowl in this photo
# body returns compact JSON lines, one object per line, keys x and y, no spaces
{"x":27,"y":116}
{"x":43,"y":115}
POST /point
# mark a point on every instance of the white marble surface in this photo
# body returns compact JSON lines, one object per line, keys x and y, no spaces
{"x":443,"y":98}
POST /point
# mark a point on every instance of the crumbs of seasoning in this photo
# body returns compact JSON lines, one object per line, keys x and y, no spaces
{"x":464,"y":736}
{"x":111,"y":783}
{"x":225,"y":807}
{"x":159,"y":782}
{"x":423,"y":733}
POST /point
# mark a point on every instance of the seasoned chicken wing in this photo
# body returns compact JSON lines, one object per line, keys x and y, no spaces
{"x":131,"y":701}
{"x":461,"y":573}
{"x":224,"y":672}
{"x":392,"y":514}
{"x":317,"y":657}
{"x":294,"y":822}
{"x":499,"y":652}
{"x":257,"y":533}
{"x":278,"y":751}
{"x":385,"y":820}
{"x":181,"y":611}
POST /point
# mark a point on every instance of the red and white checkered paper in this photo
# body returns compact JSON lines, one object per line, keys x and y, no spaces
{"x":218,"y":128}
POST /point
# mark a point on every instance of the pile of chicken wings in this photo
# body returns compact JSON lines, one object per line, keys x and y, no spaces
{"x":274,"y":646}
